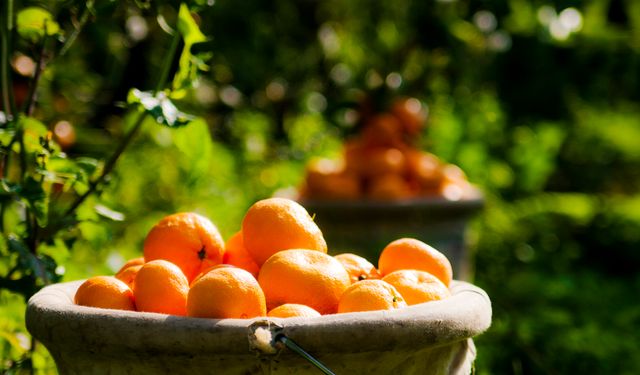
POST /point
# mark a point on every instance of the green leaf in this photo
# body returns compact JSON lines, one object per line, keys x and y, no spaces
{"x":37,"y":199}
{"x":188,"y":26}
{"x":190,"y":63}
{"x":160,"y":107}
{"x":34,"y":131}
{"x":109,"y":213}
{"x":41,"y":266}
{"x":34,"y":23}
{"x":196,"y":146}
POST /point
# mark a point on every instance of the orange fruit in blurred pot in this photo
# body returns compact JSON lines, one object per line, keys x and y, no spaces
{"x":188,"y":240}
{"x":382,"y":161}
{"x":409,"y":253}
{"x":327,"y":179}
{"x":425,"y":168}
{"x":411,"y":113}
{"x":455,"y":185}
{"x":276,"y":224}
{"x":305,"y":277}
{"x":358,"y":267}
{"x":236,"y":255}
{"x":290,"y":310}
{"x":382,"y":130}
{"x":370,"y":295}
{"x":105,"y":292}
{"x":161,"y":287}
{"x":417,"y":286}
{"x":128,"y":275}
{"x":224,"y":293}
{"x":389,"y":187}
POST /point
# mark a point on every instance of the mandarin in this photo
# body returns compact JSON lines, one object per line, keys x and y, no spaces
{"x":389,"y":187}
{"x":358,"y":267}
{"x":417,"y":286}
{"x":306,"y":277}
{"x":236,"y":255}
{"x":410,"y":253}
{"x":131,"y":262}
{"x":290,"y":310}
{"x":226,"y":292}
{"x":370,"y":295}
{"x":276,"y":224}
{"x":161,"y":287}
{"x":105,"y":292}
{"x":188,"y":240}
{"x":128,"y":275}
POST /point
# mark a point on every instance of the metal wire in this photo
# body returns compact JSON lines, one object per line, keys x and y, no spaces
{"x":301,"y":352}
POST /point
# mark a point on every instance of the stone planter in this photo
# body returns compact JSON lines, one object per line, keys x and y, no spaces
{"x":430,"y":338}
{"x":366,"y":227}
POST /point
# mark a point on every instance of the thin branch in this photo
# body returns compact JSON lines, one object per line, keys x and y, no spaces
{"x":30,"y":103}
{"x":84,"y":18}
{"x":8,"y":102}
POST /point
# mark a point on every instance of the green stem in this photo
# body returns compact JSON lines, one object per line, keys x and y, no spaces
{"x":84,"y":18}
{"x":8,"y":103}
{"x":29,"y":104}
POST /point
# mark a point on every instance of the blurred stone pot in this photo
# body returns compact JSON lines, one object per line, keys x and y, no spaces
{"x":366,"y":227}
{"x":430,"y":338}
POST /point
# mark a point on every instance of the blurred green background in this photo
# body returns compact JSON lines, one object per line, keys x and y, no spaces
{"x":537,"y":101}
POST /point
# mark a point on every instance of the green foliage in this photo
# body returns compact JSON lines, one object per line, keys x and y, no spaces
{"x":542,"y":116}
{"x":34,"y":23}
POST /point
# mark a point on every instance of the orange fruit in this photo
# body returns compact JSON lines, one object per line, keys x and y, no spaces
{"x":226,"y":292}
{"x":306,"y":277}
{"x":131,"y":262}
{"x":128,"y":275}
{"x":358,"y":267}
{"x":410,"y":253}
{"x":161,"y":287}
{"x":105,"y":292}
{"x":222,"y":265}
{"x":417,"y":286}
{"x":411,"y":113}
{"x":370,"y":295}
{"x":236,"y":255}
{"x":426,"y":169}
{"x":290,"y":310}
{"x":187,"y":240}
{"x":382,"y":130}
{"x":276,"y":224}
{"x":389,"y":187}
{"x":381,"y":161}
{"x":327,"y":179}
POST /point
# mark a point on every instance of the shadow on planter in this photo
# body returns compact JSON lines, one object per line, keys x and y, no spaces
{"x":366,"y":227}
{"x":430,"y":338}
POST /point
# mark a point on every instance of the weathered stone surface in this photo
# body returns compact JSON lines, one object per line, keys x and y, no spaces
{"x":431,"y":338}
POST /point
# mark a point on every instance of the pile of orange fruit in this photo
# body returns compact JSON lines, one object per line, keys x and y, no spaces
{"x":382,"y":162}
{"x":276,"y":265}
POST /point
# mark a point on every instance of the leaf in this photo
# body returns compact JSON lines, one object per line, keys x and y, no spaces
{"x":26,"y":259}
{"x":160,"y":107}
{"x":188,"y":27}
{"x":107,"y":212}
{"x":189,"y":62}
{"x":36,"y":198}
{"x":34,"y":130}
{"x":195,"y":143}
{"x":34,"y":23}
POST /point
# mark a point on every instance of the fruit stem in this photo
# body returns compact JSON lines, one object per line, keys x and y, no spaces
{"x":301,"y":352}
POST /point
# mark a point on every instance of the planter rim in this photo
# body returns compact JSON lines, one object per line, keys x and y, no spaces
{"x":54,"y":319}
{"x":474,"y":202}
